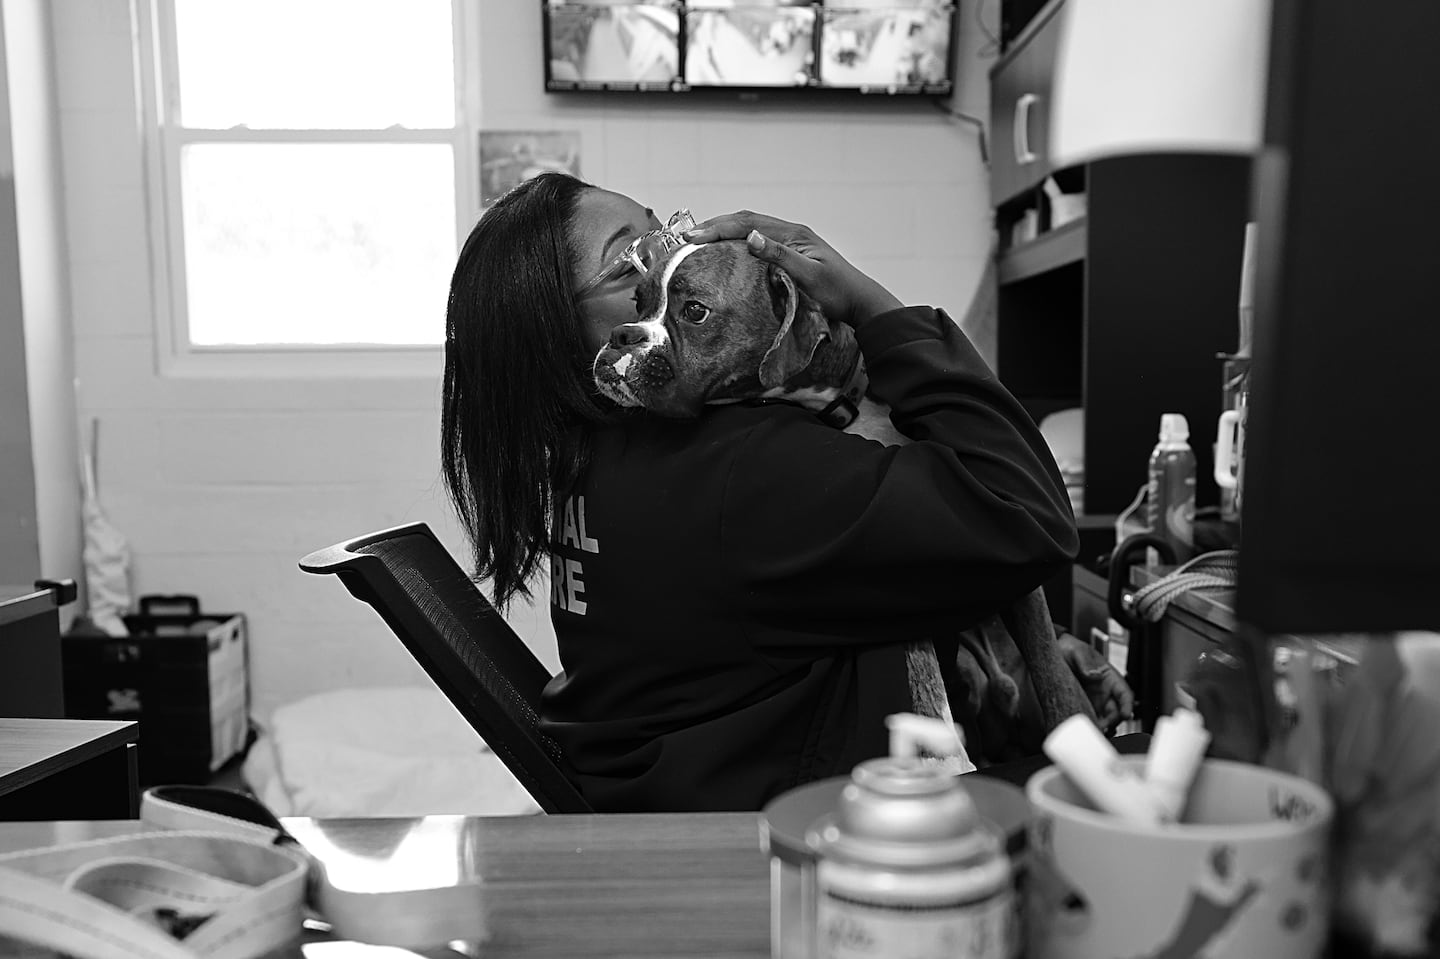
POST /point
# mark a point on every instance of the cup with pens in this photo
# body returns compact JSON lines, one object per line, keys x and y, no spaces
{"x":1173,"y":854}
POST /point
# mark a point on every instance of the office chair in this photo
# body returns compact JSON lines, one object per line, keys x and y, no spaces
{"x":463,"y":643}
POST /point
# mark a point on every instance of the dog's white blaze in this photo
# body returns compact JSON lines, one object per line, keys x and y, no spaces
{"x":655,"y":332}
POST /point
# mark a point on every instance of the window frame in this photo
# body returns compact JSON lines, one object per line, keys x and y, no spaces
{"x":162,"y":142}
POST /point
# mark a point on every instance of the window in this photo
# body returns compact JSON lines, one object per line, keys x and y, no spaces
{"x":309,"y":167}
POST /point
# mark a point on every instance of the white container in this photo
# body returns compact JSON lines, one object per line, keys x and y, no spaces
{"x":1064,"y":207}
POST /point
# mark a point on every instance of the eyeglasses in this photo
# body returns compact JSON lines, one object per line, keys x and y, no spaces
{"x":645,"y":251}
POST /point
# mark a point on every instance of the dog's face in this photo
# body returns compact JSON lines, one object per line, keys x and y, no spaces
{"x":715,"y":324}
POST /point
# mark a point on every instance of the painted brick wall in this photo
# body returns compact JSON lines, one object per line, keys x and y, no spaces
{"x":222,"y":484}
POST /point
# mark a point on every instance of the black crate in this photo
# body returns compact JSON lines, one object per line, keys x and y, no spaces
{"x":181,"y":675}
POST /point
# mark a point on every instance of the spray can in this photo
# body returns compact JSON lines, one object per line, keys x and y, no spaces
{"x":905,"y":866}
{"x":1170,"y":496}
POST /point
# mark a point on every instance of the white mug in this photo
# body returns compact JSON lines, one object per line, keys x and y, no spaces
{"x":1244,"y":875}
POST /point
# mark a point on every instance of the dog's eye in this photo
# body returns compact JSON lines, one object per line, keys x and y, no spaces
{"x":695,"y":312}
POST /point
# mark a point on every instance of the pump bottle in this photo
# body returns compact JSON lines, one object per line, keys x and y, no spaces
{"x":1170,"y":497}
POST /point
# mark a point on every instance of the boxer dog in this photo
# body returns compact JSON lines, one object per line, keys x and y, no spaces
{"x":717,"y":325}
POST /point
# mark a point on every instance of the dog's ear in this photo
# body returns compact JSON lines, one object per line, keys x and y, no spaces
{"x":802,"y":327}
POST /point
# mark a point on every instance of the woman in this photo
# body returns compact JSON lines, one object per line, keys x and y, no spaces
{"x":731,"y":595}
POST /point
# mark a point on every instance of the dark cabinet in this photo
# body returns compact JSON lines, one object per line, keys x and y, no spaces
{"x":1120,"y":312}
{"x":30,"y":676}
{"x":1020,"y":97}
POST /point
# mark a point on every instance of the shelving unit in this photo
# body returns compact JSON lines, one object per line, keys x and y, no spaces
{"x":1123,"y":311}
{"x":1052,"y":250}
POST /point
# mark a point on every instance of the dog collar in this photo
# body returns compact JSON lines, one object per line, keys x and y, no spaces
{"x":844,"y":408}
{"x":839,"y":412}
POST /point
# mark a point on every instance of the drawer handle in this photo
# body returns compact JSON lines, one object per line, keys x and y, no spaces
{"x":1023,"y":153}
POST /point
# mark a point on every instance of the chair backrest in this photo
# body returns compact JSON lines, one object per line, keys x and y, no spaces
{"x":463,"y":643}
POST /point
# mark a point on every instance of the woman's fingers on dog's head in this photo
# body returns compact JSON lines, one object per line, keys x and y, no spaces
{"x":801,"y":268}
{"x":739,"y":225}
{"x":730,"y":226}
{"x":770,"y":249}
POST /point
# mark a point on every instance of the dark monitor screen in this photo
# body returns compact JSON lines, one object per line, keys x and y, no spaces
{"x":887,"y":47}
{"x":1341,"y":523}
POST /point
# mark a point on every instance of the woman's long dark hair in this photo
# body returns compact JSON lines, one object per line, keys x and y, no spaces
{"x":517,"y":392}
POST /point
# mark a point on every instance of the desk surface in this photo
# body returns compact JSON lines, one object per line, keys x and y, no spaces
{"x":679,"y":885}
{"x":1217,"y":607}
{"x":675,"y":884}
{"x":31,"y":749}
{"x":22,"y":602}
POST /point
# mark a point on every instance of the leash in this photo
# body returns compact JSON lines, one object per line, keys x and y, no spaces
{"x":217,"y":878}
{"x":1214,"y":570}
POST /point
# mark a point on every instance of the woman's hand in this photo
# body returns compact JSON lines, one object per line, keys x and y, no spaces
{"x":1109,"y":694}
{"x":843,"y":292}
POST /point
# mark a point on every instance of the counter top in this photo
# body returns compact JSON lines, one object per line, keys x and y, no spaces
{"x":1216,"y":607}
{"x":32,"y":749}
{"x":22,"y":602}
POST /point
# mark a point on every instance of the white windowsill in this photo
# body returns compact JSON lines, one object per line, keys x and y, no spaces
{"x":420,"y":362}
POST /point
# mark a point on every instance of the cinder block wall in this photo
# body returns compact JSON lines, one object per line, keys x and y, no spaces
{"x":222,"y":484}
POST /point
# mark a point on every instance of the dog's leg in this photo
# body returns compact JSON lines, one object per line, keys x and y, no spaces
{"x":927,"y":689}
{"x":1000,"y":688}
{"x":928,"y":698}
{"x":1056,"y":688}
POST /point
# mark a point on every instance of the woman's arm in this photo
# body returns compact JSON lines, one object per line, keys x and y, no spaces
{"x":969,"y":516}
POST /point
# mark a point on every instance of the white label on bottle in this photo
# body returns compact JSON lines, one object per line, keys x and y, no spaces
{"x":1180,"y":521}
{"x":850,"y":929}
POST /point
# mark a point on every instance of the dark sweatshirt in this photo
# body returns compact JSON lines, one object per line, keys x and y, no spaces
{"x":732,"y":595}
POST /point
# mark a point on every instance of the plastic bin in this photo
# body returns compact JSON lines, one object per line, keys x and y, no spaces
{"x":180,"y":673}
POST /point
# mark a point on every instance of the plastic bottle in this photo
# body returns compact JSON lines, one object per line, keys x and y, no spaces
{"x":1170,"y":497}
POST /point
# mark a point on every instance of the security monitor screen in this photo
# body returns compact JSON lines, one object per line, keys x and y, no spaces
{"x":866,"y":46}
{"x":886,"y":47}
{"x":613,"y":46}
{"x":750,"y":45}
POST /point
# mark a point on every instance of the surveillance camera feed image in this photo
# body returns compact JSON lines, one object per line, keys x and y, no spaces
{"x":608,"y":46}
{"x":750,"y":43}
{"x":892,"y":46}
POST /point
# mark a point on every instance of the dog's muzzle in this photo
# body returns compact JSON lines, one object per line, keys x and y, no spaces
{"x":624,"y":375}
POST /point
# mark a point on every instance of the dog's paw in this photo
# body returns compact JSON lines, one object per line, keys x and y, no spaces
{"x":970,"y":698}
{"x":1004,"y":694}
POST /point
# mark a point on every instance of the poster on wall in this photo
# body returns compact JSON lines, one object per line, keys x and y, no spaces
{"x":508,"y":157}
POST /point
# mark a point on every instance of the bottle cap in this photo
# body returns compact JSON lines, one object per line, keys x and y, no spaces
{"x":1174,"y":428}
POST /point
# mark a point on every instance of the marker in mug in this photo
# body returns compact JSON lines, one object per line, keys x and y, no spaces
{"x":1176,"y":751}
{"x":1079,"y":748}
